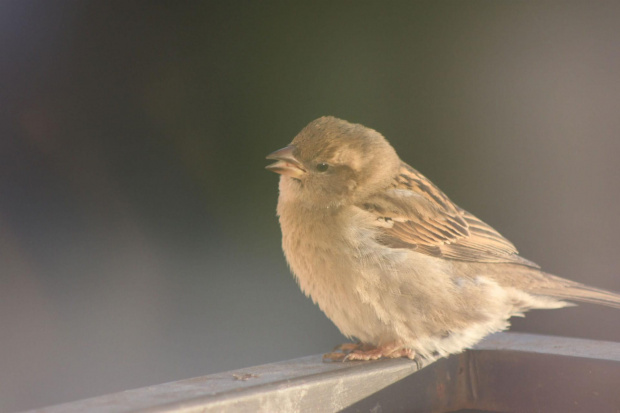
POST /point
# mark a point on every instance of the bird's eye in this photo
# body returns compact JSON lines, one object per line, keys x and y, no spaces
{"x":322,"y":167}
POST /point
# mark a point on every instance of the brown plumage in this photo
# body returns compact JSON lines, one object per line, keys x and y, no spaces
{"x":390,"y":259}
{"x":433,"y":225}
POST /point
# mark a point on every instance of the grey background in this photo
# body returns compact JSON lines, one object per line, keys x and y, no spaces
{"x":138,"y":237}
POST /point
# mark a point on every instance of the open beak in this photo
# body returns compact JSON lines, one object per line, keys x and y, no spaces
{"x":286,"y":163}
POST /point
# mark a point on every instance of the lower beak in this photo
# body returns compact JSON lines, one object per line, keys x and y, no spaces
{"x":286,"y":163}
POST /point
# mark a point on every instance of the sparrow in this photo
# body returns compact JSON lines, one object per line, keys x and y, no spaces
{"x":390,"y":259}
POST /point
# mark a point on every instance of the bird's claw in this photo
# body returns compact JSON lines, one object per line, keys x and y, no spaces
{"x":365,"y":352}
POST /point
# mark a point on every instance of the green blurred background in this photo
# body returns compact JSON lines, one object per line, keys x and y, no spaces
{"x":138,"y":237}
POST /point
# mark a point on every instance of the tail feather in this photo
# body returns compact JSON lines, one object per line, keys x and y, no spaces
{"x":573,"y":291}
{"x":539,"y":283}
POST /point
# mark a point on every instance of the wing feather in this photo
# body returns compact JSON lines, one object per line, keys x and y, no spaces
{"x":424,"y":219}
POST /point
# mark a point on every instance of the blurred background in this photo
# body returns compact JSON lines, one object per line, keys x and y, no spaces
{"x":138,"y":236}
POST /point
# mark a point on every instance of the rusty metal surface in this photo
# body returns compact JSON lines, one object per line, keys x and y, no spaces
{"x":506,"y":372}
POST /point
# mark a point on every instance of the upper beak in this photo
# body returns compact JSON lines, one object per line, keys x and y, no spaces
{"x":286,"y":163}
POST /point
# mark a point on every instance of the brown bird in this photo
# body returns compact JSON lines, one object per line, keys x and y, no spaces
{"x":390,"y":259}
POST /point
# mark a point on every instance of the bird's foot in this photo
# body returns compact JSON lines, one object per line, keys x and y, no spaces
{"x":341,"y":351}
{"x":364,"y":352}
{"x":387,"y":351}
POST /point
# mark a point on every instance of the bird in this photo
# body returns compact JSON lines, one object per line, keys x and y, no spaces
{"x":390,"y":259}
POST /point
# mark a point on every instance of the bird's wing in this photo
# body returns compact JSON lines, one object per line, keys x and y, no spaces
{"x":415,"y":214}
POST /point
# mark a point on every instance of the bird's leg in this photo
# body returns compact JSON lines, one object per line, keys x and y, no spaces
{"x":340,"y":352}
{"x":364,"y":352}
{"x":391,"y":351}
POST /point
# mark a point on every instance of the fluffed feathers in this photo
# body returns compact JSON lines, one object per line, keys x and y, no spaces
{"x":390,"y":259}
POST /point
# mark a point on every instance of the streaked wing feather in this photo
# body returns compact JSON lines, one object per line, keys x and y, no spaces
{"x":424,"y":219}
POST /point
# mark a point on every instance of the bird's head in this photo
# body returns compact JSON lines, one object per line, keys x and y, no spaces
{"x":332,"y":162}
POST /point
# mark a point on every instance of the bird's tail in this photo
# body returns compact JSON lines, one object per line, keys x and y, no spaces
{"x":573,"y":291}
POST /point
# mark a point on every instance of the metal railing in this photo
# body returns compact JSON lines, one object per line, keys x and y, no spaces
{"x":506,"y":372}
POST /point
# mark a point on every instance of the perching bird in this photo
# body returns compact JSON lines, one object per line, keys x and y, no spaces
{"x":390,"y":259}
